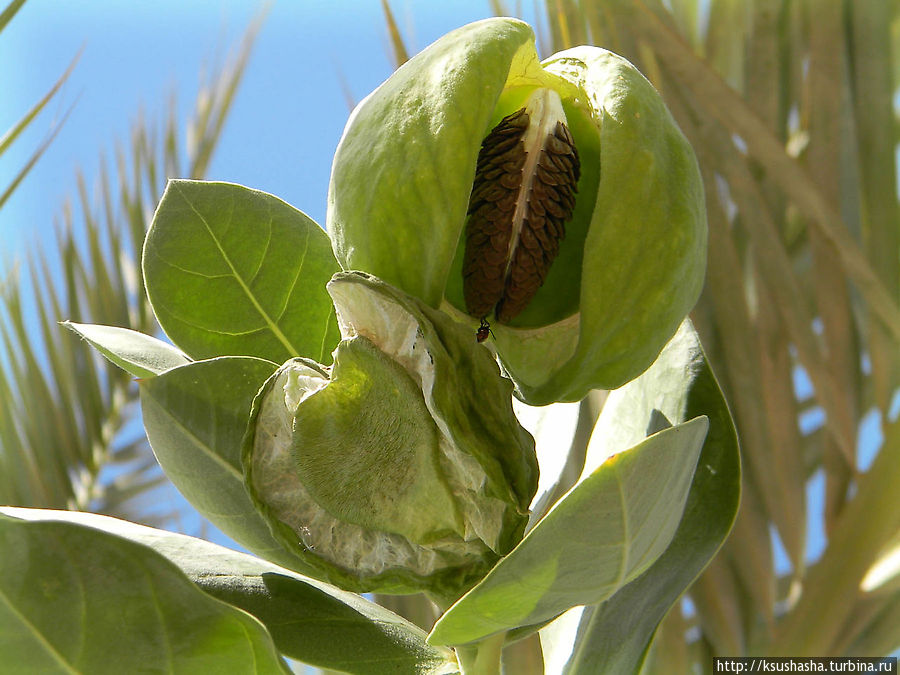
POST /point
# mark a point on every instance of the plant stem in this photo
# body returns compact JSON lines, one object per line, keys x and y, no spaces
{"x":481,"y":658}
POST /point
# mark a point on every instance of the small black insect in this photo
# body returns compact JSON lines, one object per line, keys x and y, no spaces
{"x":483,"y":331}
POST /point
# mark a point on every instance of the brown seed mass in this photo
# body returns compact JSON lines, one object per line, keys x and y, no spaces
{"x":491,"y":282}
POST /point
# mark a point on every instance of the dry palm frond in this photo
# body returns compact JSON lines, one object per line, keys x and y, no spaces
{"x":789,"y":108}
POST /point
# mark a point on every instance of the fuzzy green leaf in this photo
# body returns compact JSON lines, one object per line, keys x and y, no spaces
{"x":234,"y":271}
{"x":308,"y":620}
{"x":615,"y":636}
{"x":74,"y":599}
{"x":606,"y":532}
{"x":136,"y":353}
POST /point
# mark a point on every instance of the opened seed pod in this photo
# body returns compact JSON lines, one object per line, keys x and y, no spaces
{"x":472,"y":180}
{"x":400,"y":469}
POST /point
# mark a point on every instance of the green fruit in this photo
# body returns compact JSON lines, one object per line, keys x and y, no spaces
{"x":632,"y":261}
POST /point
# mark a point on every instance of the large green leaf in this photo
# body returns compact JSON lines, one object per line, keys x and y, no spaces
{"x":603,"y":534}
{"x":136,"y":353}
{"x":234,"y":271}
{"x":309,"y":620}
{"x":195,"y":417}
{"x":77,"y":600}
{"x":614,"y":637}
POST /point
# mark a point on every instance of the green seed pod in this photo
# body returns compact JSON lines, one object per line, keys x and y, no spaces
{"x":471,"y":179}
{"x":400,"y":469}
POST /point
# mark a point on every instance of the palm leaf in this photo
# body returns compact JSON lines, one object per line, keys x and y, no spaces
{"x":16,"y":130}
{"x":398,"y":47}
{"x":69,"y":430}
{"x":9,"y":12}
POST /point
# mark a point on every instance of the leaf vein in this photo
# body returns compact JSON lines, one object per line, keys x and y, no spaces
{"x":290,"y":291}
{"x":38,"y":635}
{"x":203,"y":447}
{"x":276,"y":331}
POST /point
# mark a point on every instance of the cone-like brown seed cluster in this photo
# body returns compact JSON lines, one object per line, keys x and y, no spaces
{"x":491,"y":283}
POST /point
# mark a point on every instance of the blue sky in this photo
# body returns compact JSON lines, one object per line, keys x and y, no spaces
{"x":287,"y":118}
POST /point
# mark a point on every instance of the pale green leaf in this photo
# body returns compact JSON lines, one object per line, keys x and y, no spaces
{"x":195,"y":417}
{"x":606,"y":532}
{"x":234,"y":271}
{"x":136,"y":353}
{"x":308,"y":620}
{"x":75,"y":599}
{"x":615,"y":635}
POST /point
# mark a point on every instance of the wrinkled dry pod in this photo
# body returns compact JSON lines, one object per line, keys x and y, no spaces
{"x":606,"y":284}
{"x":402,"y":467}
